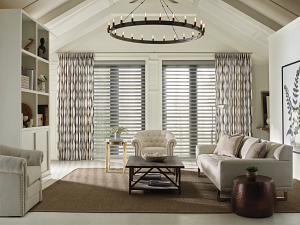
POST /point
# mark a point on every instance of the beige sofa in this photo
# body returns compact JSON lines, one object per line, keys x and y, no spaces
{"x":20,"y":180}
{"x":151,"y":141}
{"x":221,"y":170}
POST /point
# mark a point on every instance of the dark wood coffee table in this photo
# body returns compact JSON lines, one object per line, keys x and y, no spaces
{"x":137,"y":182}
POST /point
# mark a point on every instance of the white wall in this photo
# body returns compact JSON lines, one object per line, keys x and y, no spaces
{"x":260,"y":82}
{"x":284,"y":48}
{"x":53,"y":108}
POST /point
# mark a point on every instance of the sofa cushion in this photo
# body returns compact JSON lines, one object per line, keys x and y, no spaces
{"x":209,"y":165}
{"x":246,"y":144}
{"x":257,"y":150}
{"x":221,"y":139}
{"x":271,"y":148}
{"x":154,"y":150}
{"x":230,"y":145}
{"x":33,"y":174}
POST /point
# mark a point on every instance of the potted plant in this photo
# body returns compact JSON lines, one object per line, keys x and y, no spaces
{"x":117,"y":130}
{"x":251,"y":173}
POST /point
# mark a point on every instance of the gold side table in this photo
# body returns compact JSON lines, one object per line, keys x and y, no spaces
{"x":107,"y":158}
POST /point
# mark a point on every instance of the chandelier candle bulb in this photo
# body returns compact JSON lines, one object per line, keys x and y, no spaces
{"x":113,"y":26}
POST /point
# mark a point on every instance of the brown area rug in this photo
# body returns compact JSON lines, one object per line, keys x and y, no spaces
{"x":93,"y":190}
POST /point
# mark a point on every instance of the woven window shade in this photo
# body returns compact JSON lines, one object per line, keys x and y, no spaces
{"x":119,"y":97}
{"x":189,"y":100}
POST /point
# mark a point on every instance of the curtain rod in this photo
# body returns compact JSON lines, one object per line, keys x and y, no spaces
{"x":165,"y":52}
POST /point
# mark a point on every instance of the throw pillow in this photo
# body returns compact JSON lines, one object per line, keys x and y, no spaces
{"x":230,"y":145}
{"x":246,"y":144}
{"x":221,"y":139}
{"x":257,"y":150}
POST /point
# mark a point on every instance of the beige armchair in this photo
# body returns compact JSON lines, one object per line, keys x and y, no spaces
{"x":20,"y":180}
{"x":151,"y":141}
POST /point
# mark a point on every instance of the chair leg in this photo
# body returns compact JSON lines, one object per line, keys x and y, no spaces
{"x":198,"y":172}
{"x":284,"y":198}
{"x":219,"y":199}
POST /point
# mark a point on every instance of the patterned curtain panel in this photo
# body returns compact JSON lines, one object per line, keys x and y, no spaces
{"x":233,"y":93}
{"x":76,"y":106}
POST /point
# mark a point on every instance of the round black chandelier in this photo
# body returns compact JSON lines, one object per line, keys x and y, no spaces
{"x":174,"y":22}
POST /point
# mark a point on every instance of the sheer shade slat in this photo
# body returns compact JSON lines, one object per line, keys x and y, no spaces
{"x":119,"y":97}
{"x":188,"y":103}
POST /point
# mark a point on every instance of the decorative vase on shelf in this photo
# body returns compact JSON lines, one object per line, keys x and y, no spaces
{"x":117,"y":136}
{"x":41,"y":83}
{"x":251,"y":176}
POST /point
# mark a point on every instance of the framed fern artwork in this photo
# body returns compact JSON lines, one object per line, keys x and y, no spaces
{"x":291,"y":104}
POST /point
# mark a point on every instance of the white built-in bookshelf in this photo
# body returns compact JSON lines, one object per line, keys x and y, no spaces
{"x":17,"y":27}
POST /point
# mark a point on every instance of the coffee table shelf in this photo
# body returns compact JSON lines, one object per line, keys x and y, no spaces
{"x":172,"y":163}
{"x":143,"y":184}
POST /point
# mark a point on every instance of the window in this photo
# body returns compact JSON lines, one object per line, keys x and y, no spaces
{"x":189,"y":103}
{"x":119,"y":100}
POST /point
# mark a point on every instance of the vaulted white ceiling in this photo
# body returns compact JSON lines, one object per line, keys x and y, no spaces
{"x":241,"y":25}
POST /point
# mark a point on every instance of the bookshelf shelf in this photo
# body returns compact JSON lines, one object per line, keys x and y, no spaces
{"x":19,"y":65}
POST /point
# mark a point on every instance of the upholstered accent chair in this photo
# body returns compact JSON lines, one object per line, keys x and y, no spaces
{"x":151,"y":141}
{"x":20,"y":180}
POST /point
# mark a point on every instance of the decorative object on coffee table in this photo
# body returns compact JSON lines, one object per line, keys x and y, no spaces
{"x":136,"y":163}
{"x":117,"y":130}
{"x":154,"y":157}
{"x":255,"y":199}
{"x":110,"y":142}
{"x":251,"y":172}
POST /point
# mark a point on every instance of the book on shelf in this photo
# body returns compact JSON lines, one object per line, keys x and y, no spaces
{"x":151,"y":176}
{"x":43,"y":109}
{"x":159,"y":183}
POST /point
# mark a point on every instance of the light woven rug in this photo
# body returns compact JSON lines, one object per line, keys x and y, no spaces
{"x":93,"y":190}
